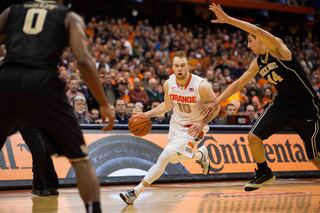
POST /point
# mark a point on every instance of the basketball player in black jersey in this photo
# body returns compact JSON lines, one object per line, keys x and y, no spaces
{"x":296,"y":104}
{"x":35,"y":34}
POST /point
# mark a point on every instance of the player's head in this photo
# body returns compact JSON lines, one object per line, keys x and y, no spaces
{"x":180,"y":65}
{"x":255,"y":45}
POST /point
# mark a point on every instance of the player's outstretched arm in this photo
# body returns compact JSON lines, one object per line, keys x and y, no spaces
{"x":233,"y":88}
{"x":3,"y":23}
{"x":77,"y":40}
{"x":274,"y":44}
{"x":164,"y":107}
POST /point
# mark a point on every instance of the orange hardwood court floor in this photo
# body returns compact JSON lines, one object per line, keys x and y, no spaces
{"x":285,"y":195}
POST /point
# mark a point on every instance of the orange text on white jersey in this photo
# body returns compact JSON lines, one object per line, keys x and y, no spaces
{"x":183,"y":99}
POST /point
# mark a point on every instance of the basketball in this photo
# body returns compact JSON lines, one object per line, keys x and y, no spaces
{"x":139,"y":125}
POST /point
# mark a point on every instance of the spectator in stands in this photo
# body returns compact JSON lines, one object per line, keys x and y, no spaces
{"x":109,"y":89}
{"x":73,"y":86}
{"x":63,"y":74}
{"x":137,"y":94}
{"x":80,"y":109}
{"x":137,"y":110}
{"x":216,"y":89}
{"x":252,"y":113}
{"x":95,"y":116}
{"x":120,"y":111}
{"x":153,"y":92}
{"x":140,"y":105}
{"x":129,"y":110}
{"x":72,"y":68}
{"x":230,"y":109}
{"x":123,"y":90}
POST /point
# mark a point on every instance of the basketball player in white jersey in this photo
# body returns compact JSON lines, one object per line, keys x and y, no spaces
{"x":185,"y":93}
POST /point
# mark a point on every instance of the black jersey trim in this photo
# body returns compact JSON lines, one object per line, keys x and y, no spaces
{"x":266,"y":58}
{"x":295,"y":72}
{"x":259,"y":119}
{"x":314,"y":138}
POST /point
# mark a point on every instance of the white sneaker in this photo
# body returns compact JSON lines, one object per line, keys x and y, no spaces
{"x":129,"y":197}
{"x":204,"y":161}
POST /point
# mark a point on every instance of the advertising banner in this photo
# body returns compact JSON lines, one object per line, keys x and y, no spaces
{"x":121,"y":154}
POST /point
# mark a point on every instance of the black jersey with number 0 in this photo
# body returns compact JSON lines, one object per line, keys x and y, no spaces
{"x":35,"y":38}
{"x":289,"y":78}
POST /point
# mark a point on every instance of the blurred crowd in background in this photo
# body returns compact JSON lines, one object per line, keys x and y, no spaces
{"x":133,"y":61}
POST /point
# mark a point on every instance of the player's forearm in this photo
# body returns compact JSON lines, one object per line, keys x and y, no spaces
{"x":211,"y":116}
{"x":246,"y":26}
{"x":251,"y":29}
{"x":159,"y":110}
{"x":233,"y":88}
{"x":92,"y":80}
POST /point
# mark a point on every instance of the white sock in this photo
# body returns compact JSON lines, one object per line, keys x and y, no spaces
{"x":140,"y":187}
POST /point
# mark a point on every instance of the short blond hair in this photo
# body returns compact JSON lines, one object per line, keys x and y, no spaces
{"x":180,"y":54}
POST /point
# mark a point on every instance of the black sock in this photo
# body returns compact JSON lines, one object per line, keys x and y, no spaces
{"x":263,"y":166}
{"x":93,"y":207}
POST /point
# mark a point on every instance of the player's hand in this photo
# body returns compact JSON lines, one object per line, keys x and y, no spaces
{"x":134,"y":114}
{"x":107,"y":114}
{"x":208,"y":108}
{"x":222,"y":17}
{"x":195,"y":129}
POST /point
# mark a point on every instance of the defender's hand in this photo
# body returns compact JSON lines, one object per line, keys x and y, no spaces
{"x":208,"y":108}
{"x":105,"y":113}
{"x":222,"y":17}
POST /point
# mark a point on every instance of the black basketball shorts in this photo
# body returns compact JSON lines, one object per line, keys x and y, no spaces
{"x":49,"y":112}
{"x":276,"y":117}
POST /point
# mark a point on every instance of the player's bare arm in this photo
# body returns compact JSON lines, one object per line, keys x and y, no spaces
{"x":207,"y":96}
{"x":275,"y":45}
{"x":233,"y":88}
{"x":164,"y":107}
{"x":3,"y":21}
{"x":77,"y":40}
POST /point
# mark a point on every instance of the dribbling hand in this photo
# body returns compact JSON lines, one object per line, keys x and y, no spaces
{"x":222,"y":17}
{"x":106,"y":113}
{"x":135,"y":114}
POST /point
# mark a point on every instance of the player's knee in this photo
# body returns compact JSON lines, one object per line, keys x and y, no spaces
{"x":253,"y":139}
{"x":80,"y":163}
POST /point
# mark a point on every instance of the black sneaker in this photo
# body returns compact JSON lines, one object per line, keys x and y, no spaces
{"x":41,"y":192}
{"x":259,"y":179}
{"x":53,"y":191}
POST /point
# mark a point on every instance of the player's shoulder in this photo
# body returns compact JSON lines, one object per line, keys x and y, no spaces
{"x":171,"y":79}
{"x":73,"y":17}
{"x":197,"y":78}
{"x":172,"y":76}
